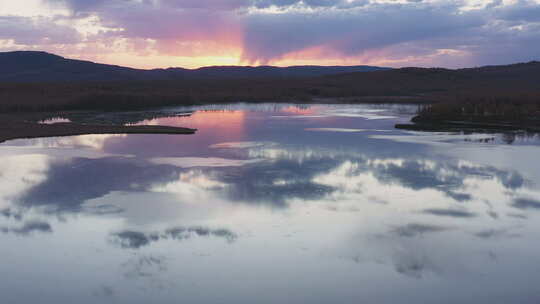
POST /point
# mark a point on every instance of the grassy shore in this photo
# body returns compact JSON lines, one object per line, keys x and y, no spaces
{"x":14,"y":128}
{"x":496,"y":97}
{"x":497,"y":114}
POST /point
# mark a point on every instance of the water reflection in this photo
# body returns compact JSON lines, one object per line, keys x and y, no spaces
{"x":260,"y":204}
{"x":137,"y":239}
{"x":28,"y":228}
{"x":70,"y":183}
{"x":276,"y":178}
{"x":526,"y":203}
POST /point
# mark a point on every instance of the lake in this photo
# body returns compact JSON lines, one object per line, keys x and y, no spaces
{"x":272,"y":203}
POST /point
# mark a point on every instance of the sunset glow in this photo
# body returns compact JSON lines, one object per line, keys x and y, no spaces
{"x":188,"y":33}
{"x":219,"y":124}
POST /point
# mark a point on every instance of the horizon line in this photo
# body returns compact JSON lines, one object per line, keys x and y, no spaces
{"x":265,"y":65}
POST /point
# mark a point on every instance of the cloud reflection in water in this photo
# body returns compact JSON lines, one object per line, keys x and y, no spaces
{"x":312,"y":209}
{"x":136,"y":239}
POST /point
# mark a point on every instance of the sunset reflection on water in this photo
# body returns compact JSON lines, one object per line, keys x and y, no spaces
{"x":326,"y":198}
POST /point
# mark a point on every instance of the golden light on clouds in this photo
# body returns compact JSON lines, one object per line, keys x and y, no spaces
{"x":195,"y":33}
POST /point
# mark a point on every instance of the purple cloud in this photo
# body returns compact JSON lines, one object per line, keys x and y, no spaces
{"x":36,"y":31}
{"x":352,"y":32}
{"x":416,"y":32}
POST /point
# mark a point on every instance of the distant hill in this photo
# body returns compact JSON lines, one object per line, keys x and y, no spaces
{"x":29,"y":66}
{"x":479,"y":81}
{"x":47,"y":82}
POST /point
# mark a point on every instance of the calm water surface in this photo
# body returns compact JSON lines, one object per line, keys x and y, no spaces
{"x":272,"y":204}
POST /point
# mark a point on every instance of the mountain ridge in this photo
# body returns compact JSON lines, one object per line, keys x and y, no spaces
{"x":515,"y":83}
{"x":38,"y":66}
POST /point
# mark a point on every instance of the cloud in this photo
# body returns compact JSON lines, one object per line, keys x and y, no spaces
{"x":29,"y":228}
{"x":421,"y":174}
{"x":36,"y":31}
{"x":213,"y":5}
{"x":460,"y":197}
{"x":136,"y":239}
{"x":207,"y":4}
{"x":354,"y":31}
{"x":147,"y":267}
{"x":449,"y":212}
{"x":181,"y":233}
{"x":436,"y":32}
{"x":494,"y":233}
{"x":90,"y":179}
{"x":522,"y":11}
{"x":9,"y":213}
{"x":341,"y":4}
{"x":415,"y":229}
{"x":526,"y":203}
{"x":79,"y":5}
{"x":413,"y":266}
{"x":104,"y":291}
{"x":102,"y":209}
{"x":517,"y":216}
{"x":166,"y":23}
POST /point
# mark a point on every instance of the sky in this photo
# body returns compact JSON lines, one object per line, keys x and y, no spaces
{"x":194,"y":33}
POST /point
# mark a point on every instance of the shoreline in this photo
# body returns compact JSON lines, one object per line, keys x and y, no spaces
{"x":430,"y":125}
{"x":26,"y":124}
{"x":71,"y":107}
{"x":11,"y":130}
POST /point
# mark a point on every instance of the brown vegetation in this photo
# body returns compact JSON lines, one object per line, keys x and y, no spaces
{"x":13,"y":129}
{"x":516,"y":113}
{"x":513,"y":83}
{"x":497,"y":95}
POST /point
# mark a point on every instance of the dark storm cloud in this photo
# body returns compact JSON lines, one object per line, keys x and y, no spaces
{"x":136,"y":239}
